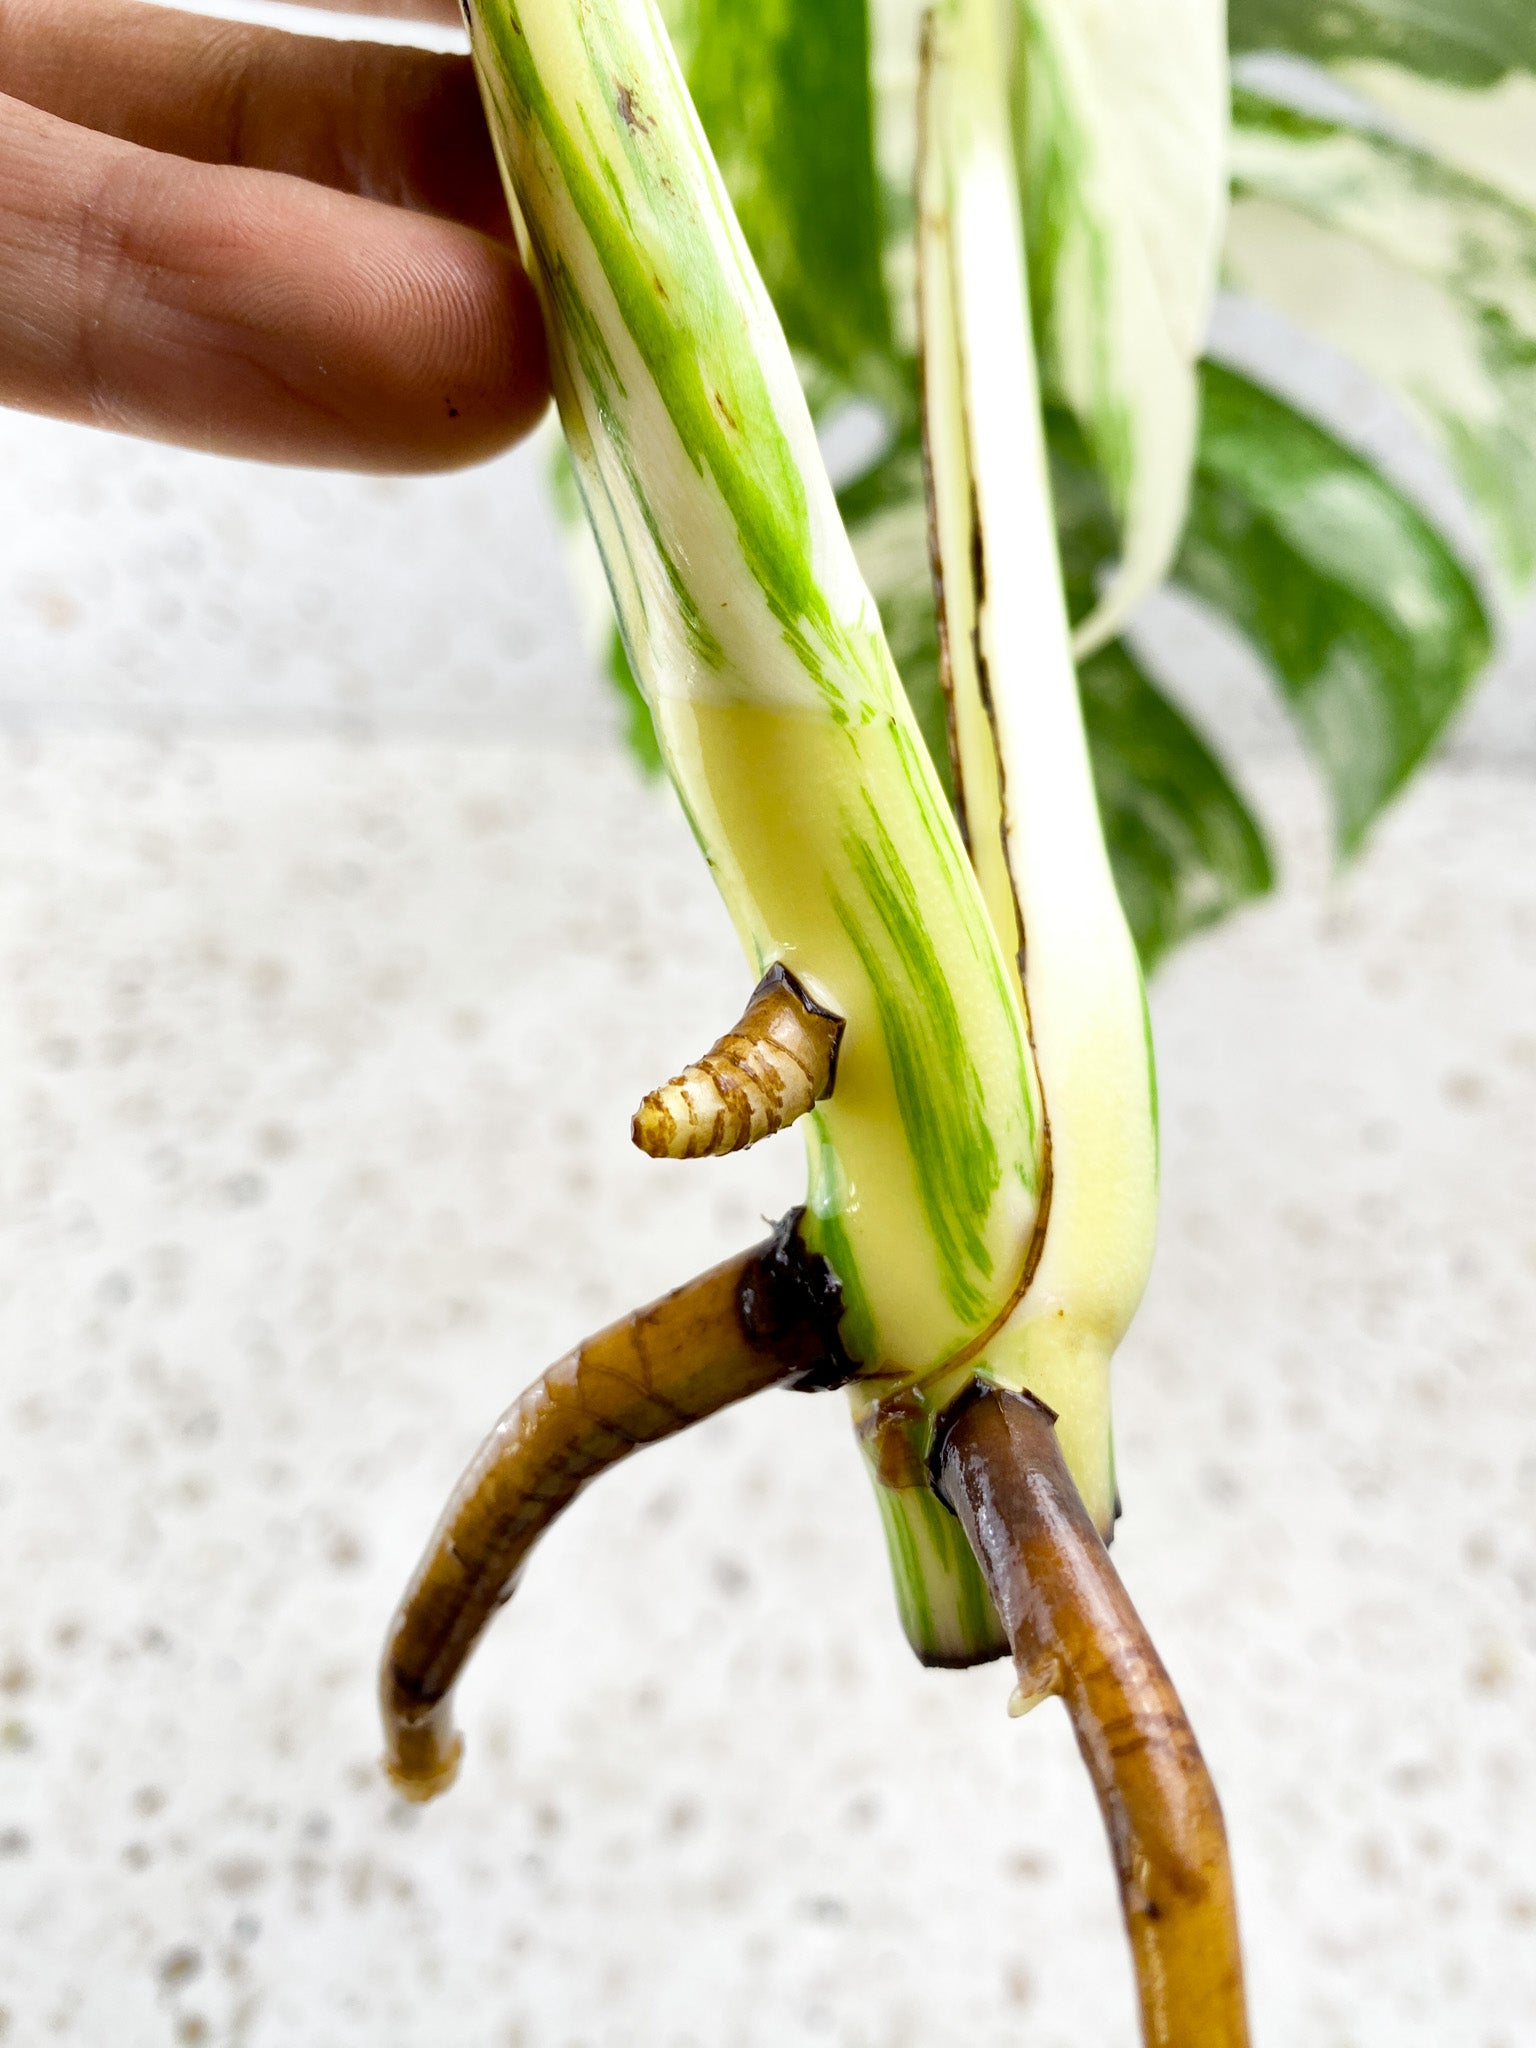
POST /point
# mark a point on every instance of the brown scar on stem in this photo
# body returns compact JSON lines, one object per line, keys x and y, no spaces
{"x":764,"y":1074}
{"x":766,"y":1318}
{"x":1074,"y":1632}
{"x":631,"y":115}
{"x":976,"y":549}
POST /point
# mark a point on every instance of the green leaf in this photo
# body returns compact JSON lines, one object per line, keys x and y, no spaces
{"x":1370,"y":686}
{"x":1472,"y":42}
{"x":782,"y":88}
{"x":1370,"y":626}
{"x":1085,"y":519}
{"x":1184,"y":846}
{"x":1425,"y":276}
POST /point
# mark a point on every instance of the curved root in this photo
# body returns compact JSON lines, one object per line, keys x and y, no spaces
{"x":767,"y":1318}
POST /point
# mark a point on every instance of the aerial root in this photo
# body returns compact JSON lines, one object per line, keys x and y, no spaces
{"x":764,"y":1074}
{"x":767,"y":1318}
{"x":1074,"y":1631}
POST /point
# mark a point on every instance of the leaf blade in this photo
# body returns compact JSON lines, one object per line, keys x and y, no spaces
{"x":1370,"y":626}
{"x":783,"y":90}
{"x":1471,"y":42}
{"x":1420,"y":273}
{"x":1185,"y":848}
{"x":1121,"y":119}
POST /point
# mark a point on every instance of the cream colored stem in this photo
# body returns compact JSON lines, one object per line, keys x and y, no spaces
{"x":763,"y":1075}
{"x":1074,"y":1631}
{"x":767,"y":1318}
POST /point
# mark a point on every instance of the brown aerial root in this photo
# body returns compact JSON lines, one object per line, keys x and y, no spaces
{"x":1074,"y":1631}
{"x":767,"y":1318}
{"x":764,"y":1074}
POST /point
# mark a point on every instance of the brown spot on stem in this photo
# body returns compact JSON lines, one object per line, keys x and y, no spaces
{"x":633,"y":116}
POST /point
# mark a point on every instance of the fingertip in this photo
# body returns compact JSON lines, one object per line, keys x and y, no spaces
{"x":443,"y":356}
{"x":496,"y":374}
{"x":411,"y":344}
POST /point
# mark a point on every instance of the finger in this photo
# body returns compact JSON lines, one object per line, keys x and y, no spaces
{"x":391,"y":123}
{"x":398,"y":10}
{"x":253,"y":314}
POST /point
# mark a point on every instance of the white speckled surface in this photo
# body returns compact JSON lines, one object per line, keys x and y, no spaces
{"x":313,"y":1077}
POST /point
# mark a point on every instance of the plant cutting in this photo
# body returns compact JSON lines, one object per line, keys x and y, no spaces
{"x":948,"y":993}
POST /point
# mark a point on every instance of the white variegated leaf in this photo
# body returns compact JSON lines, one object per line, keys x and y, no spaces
{"x":1424,"y":275}
{"x":1122,"y":110}
{"x":1463,"y":42}
{"x":1487,"y":132}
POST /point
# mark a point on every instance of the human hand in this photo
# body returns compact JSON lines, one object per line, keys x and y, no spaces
{"x":255,"y":243}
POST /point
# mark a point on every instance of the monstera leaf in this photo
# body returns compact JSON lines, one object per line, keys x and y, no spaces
{"x":1467,"y":43}
{"x":790,"y":119}
{"x":1368,"y":624}
{"x":1420,"y":272}
{"x":1383,"y":198}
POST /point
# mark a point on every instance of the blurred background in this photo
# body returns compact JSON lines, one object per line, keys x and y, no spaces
{"x":338,"y":939}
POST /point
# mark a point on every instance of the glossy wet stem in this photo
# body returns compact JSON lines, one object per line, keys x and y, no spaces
{"x":766,"y":1318}
{"x":1074,"y":1631}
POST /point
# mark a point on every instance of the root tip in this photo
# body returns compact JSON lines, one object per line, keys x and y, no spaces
{"x":423,"y":1762}
{"x":649,"y":1129}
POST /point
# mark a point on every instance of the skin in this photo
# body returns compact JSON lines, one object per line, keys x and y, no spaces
{"x":258,"y":244}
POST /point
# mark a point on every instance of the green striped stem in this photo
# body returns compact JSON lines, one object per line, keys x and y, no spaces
{"x":1021,"y":756}
{"x":778,"y":708}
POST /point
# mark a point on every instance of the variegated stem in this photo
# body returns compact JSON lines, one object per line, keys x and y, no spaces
{"x":768,"y":1318}
{"x":779,"y":711}
{"x":1021,"y":755}
{"x":766,"y":1072}
{"x":1074,"y":1631}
